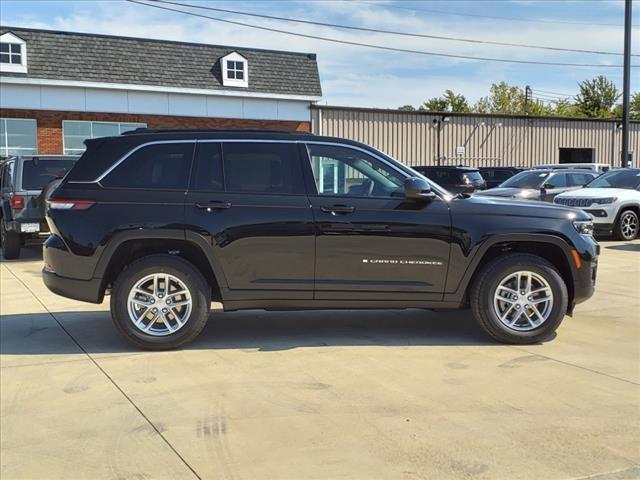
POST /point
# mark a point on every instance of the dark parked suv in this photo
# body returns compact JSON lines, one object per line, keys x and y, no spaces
{"x":455,"y":179}
{"x":166,"y":221}
{"x":23,"y":180}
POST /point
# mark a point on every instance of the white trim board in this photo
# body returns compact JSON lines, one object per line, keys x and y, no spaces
{"x":80,"y":99}
{"x":154,"y":88}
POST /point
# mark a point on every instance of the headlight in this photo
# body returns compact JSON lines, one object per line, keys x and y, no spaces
{"x":604,"y":201}
{"x":584,"y":227}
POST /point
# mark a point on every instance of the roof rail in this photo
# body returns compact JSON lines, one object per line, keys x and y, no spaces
{"x":212,"y":130}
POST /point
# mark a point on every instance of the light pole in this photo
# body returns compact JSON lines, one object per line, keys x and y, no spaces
{"x":439,"y":123}
{"x":626,"y":83}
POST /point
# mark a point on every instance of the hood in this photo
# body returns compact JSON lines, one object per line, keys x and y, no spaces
{"x":510,"y":192}
{"x":482,"y":204}
{"x":598,"y":193}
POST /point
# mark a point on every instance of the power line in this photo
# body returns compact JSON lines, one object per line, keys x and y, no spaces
{"x":554,"y":93}
{"x":389,"y":32}
{"x":551,"y":97}
{"x":379,"y":47}
{"x":492,"y":17}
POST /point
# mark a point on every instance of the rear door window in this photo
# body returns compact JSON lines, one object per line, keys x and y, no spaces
{"x":557,"y":180}
{"x":579,"y":179}
{"x":208,"y":173}
{"x":257,"y":167}
{"x":164,"y":166}
{"x":36,"y":174}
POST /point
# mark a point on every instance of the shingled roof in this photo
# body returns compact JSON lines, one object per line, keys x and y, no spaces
{"x":55,"y":55}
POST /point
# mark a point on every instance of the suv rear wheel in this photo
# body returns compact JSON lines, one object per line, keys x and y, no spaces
{"x":519,"y":298}
{"x":626,"y":227}
{"x":11,"y":242}
{"x":160,"y":302}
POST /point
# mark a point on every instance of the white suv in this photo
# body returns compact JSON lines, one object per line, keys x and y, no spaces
{"x":613,"y":200}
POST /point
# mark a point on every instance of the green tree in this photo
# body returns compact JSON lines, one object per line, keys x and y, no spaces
{"x":435,"y":104}
{"x":449,"y":102}
{"x":597,"y":97}
{"x":456,"y":102}
{"x":503,"y":98}
{"x":564,"y":108}
{"x":407,"y":108}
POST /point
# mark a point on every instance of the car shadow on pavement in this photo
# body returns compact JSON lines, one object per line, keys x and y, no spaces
{"x":40,"y":334}
{"x":626,"y":247}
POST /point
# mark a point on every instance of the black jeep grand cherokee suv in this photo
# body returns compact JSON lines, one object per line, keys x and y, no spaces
{"x":166,"y":221}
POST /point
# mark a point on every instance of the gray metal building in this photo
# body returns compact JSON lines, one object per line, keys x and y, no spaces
{"x":478,"y":139}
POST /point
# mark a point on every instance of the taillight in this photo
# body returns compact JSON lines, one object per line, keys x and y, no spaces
{"x":17,"y":202}
{"x":65,"y":204}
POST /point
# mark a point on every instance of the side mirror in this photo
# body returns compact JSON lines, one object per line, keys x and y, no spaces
{"x":546,"y":186}
{"x":418,"y":189}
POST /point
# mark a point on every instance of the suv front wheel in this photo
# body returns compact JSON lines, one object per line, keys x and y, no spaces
{"x":160,"y":302}
{"x":626,"y":227}
{"x":519,"y":298}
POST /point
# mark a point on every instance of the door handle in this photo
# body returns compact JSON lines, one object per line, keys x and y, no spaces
{"x":211,"y":206}
{"x":338,"y":209}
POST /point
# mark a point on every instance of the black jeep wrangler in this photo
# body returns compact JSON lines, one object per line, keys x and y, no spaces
{"x":25,"y":182}
{"x":167,"y":221}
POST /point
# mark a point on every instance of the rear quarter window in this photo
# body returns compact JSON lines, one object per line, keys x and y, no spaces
{"x":164,"y":166}
{"x":36,"y":174}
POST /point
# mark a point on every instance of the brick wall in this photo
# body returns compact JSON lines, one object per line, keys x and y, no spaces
{"x":50,"y":123}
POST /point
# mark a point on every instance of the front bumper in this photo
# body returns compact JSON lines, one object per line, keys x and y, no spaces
{"x":83,"y":290}
{"x":584,"y":276}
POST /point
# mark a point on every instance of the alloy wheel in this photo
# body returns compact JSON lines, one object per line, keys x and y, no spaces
{"x":159,"y":304}
{"x":629,"y":226}
{"x":523,"y":301}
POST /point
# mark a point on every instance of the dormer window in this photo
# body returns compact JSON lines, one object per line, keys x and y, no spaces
{"x":235,"y":72}
{"x":13,"y":54}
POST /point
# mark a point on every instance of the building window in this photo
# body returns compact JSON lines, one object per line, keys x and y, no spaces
{"x":75,"y":132}
{"x":13,"y":54}
{"x":18,"y":137}
{"x":235,"y":71}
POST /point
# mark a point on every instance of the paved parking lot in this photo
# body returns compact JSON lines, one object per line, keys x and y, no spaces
{"x":354,"y":395}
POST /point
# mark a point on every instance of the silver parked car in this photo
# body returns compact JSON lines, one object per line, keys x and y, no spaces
{"x":539,"y":184}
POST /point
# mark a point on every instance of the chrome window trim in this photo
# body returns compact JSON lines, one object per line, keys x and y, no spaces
{"x":374,"y":154}
{"x":127,"y":155}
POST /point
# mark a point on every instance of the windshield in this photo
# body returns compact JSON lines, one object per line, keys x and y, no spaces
{"x":37,"y":173}
{"x":474,"y":177}
{"x":529,"y":179}
{"x":628,"y":179}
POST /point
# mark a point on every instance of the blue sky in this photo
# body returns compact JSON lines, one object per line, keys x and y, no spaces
{"x":361,"y":76}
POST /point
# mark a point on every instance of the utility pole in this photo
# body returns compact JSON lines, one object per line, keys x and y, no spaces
{"x":626,"y":83}
{"x":527,"y":99}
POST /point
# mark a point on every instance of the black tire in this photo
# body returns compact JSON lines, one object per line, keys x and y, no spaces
{"x":486,"y":283}
{"x":621,"y":230}
{"x":11,"y":243}
{"x":178,"y":267}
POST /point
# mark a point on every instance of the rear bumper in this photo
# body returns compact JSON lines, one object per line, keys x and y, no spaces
{"x":16,"y":226}
{"x":83,"y":290}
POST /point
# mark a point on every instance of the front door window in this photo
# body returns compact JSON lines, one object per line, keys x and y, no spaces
{"x":349,"y":172}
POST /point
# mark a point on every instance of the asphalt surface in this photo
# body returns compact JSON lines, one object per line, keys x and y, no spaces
{"x":320,"y":395}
